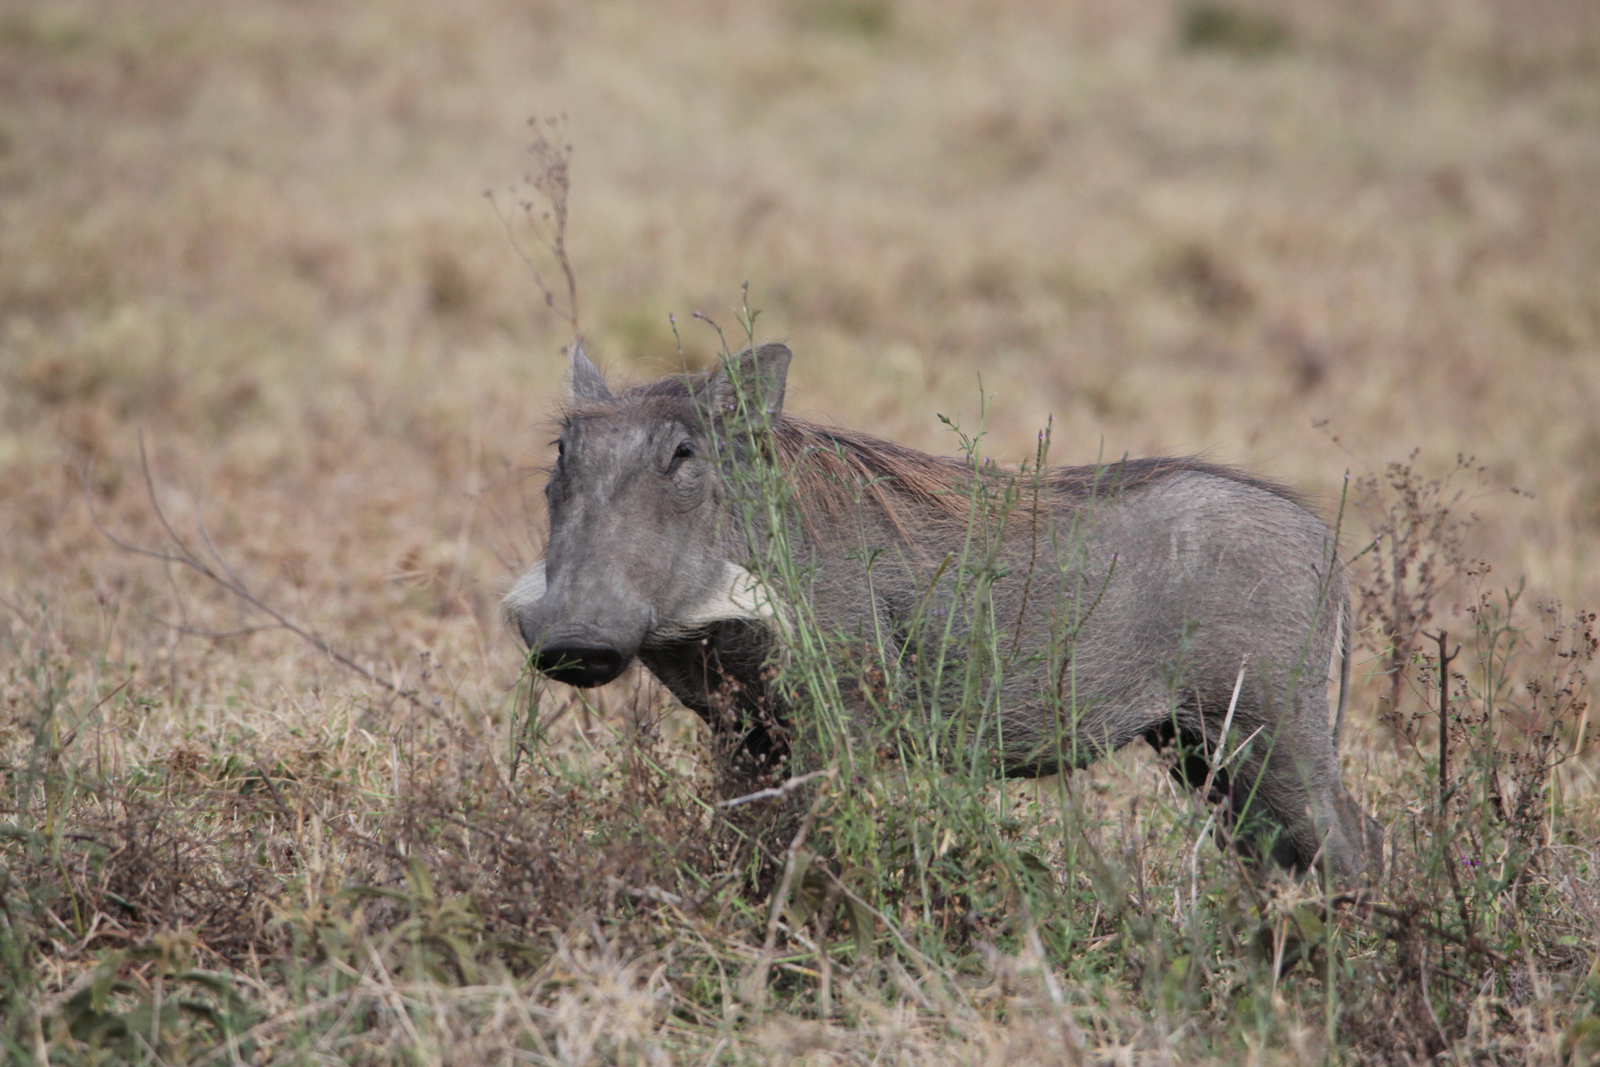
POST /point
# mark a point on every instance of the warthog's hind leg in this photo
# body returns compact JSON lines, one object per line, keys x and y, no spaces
{"x":1293,"y":813}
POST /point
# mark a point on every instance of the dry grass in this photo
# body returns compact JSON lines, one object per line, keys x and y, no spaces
{"x":1309,"y":238}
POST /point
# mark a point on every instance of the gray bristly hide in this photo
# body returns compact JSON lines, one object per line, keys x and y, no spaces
{"x":1039,"y":618}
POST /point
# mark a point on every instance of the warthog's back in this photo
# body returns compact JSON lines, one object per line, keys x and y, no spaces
{"x":1139,"y":592}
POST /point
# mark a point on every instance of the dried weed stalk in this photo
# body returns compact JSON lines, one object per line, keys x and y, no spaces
{"x":542,"y":200}
{"x":1417,"y":554}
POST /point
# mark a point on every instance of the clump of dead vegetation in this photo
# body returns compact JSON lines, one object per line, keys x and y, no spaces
{"x":1487,"y":896}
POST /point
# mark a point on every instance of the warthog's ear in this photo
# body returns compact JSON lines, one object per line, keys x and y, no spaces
{"x":755,"y":377}
{"x":587,"y":382}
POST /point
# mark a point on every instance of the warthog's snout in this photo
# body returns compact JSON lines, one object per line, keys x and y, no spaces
{"x":567,"y":644}
{"x":584,"y":665}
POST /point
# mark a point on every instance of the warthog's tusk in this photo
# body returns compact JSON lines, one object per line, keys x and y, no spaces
{"x":741,"y":595}
{"x":738,"y":596}
{"x":524,"y":594}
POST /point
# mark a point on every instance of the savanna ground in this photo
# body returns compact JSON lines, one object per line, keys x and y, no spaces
{"x":244,"y":247}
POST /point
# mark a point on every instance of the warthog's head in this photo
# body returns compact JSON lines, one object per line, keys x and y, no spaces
{"x":638,"y":516}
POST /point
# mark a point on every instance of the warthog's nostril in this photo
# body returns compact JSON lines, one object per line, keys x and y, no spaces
{"x":581,"y":665}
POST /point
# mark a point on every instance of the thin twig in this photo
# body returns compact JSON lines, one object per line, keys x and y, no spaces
{"x":776,"y":791}
{"x":936,"y":976}
{"x":1443,"y":638}
{"x":651,"y":893}
{"x":1470,"y":944}
{"x":224,"y":576}
{"x":1462,"y":907}
{"x":1214,"y":762}
{"x":755,"y":983}
{"x":1072,"y":1037}
{"x":215,"y":635}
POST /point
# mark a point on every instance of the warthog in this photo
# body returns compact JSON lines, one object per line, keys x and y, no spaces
{"x":1057,"y":613}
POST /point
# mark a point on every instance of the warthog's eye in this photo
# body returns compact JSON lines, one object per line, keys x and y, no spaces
{"x":684,"y":451}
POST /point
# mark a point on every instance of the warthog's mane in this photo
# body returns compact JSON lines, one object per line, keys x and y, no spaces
{"x":832,"y":466}
{"x":835,"y":471}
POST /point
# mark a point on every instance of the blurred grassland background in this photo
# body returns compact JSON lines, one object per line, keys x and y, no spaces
{"x":251,"y":239}
{"x":1303,"y":237}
